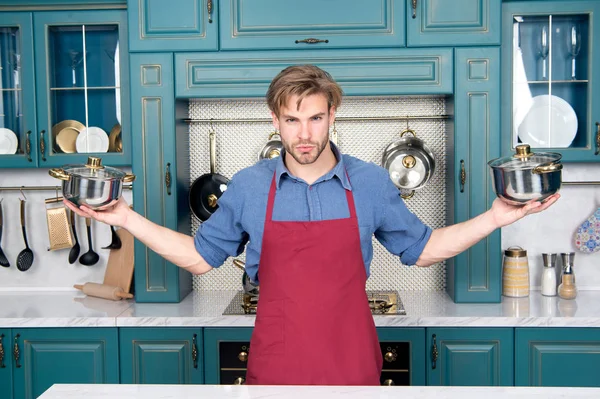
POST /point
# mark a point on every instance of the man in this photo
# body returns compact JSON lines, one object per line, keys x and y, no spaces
{"x":308,"y":217}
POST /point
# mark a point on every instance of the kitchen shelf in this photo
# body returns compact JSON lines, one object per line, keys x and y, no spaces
{"x":338,"y":119}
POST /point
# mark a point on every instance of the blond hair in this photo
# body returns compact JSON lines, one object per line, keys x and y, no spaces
{"x":302,"y":81}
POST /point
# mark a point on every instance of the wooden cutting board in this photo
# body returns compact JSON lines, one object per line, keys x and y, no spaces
{"x":119,"y":269}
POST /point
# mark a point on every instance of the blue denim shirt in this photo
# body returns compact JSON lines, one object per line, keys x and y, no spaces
{"x":239,"y":221}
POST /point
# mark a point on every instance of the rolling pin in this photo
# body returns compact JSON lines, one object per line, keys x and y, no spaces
{"x":103,"y":291}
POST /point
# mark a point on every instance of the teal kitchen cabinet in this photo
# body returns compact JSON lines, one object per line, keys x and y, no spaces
{"x":475,"y":274}
{"x":276,"y":24}
{"x":6,"y":364}
{"x":161,"y":355}
{"x":470,"y":356}
{"x":380,"y":72}
{"x":551,"y":93}
{"x":165,"y":25}
{"x":161,"y":166}
{"x":58,"y":106}
{"x":46,"y":356}
{"x":403,"y":352}
{"x":226,"y":354}
{"x":566,"y":357}
{"x":453,"y":23}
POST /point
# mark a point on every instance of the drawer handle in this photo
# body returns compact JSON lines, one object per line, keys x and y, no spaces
{"x":312,"y":40}
{"x":414,"y":8}
{"x":597,"y":138}
{"x":209,"y":8}
{"x":388,"y":383}
{"x":28,"y":145}
{"x":168,"y":178}
{"x":43,"y":145}
{"x":243,"y":356}
{"x":463,"y":176}
{"x":2,"y":365}
{"x":239,"y":381}
{"x":434,"y":353}
{"x":16,"y":352}
{"x":194,"y":352}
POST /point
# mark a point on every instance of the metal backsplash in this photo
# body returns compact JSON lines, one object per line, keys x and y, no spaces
{"x":238,"y":145}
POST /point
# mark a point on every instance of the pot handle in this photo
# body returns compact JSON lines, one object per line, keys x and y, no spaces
{"x":408,"y":196}
{"x":128,"y":178}
{"x":275,"y":133}
{"x":408,"y":131}
{"x":239,"y":264}
{"x":59,"y":174}
{"x":547,"y":168}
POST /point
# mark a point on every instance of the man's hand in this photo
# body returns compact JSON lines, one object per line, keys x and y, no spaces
{"x":505,"y":214}
{"x":114,"y":214}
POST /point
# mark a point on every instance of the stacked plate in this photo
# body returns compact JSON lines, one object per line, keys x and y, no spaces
{"x":8,"y":141}
{"x":71,"y":136}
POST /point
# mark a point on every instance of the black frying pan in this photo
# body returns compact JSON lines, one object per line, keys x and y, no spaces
{"x":206,"y":190}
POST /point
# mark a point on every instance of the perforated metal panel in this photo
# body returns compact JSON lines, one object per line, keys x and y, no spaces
{"x":239,"y":143}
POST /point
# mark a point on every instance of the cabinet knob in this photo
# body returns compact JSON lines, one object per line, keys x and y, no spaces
{"x":312,"y":40}
{"x":390,"y":357}
{"x":42,"y":145}
{"x":434,"y":352}
{"x":194,"y":352}
{"x":28,"y":145}
{"x":168,"y":178}
{"x":239,"y":381}
{"x":388,"y":382}
{"x":597,"y":138}
{"x":414,"y":9}
{"x":209,"y":8}
{"x":243,"y":356}
{"x":2,"y":352}
{"x":463,"y":176}
{"x":17,"y":352}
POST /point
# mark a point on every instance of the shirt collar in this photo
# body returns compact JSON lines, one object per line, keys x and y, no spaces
{"x":338,"y":170}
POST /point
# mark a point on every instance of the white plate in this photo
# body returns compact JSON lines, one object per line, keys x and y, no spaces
{"x":8,"y":141}
{"x":92,"y":139}
{"x":550,"y":122}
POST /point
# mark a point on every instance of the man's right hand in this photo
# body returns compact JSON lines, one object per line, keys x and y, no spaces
{"x":115,"y":213}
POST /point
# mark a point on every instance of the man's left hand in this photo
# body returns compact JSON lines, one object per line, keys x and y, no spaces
{"x":505,"y":214}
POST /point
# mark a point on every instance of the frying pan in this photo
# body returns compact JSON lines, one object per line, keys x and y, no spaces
{"x":206,"y":190}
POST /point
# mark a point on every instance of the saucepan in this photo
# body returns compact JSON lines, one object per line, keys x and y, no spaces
{"x":92,"y":184}
{"x":272,"y":149}
{"x":526,"y":176}
{"x":208,"y":188}
{"x":409,"y":162}
{"x":249,"y":286}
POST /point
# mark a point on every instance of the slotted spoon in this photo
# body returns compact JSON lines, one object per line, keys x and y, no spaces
{"x":25,"y":257}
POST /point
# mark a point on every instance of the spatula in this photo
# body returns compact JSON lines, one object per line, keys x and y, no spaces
{"x":587,"y":236}
{"x":3,"y":261}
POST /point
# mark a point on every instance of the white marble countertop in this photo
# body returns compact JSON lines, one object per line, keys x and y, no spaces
{"x":205,"y":309}
{"x":93,"y":391}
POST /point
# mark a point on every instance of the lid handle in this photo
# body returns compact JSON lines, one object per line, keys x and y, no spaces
{"x":94,"y":163}
{"x":523,"y":151}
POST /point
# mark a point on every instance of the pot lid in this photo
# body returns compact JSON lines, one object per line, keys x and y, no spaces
{"x":524,"y":159}
{"x":94,"y":169}
{"x":409,"y":170}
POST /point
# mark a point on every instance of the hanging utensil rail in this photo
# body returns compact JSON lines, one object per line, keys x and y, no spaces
{"x":581,"y":183}
{"x":338,"y":119}
{"x":42,"y":188}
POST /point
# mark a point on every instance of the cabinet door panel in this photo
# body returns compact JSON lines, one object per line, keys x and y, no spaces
{"x":64,"y":356}
{"x":274,"y":24}
{"x":161,"y":355}
{"x":558,"y":357}
{"x":454,"y":23}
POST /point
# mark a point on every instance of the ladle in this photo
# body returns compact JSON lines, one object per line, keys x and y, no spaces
{"x":90,"y":257}
{"x":3,"y":261}
{"x":74,"y":252}
{"x":25,"y":257}
{"x":116,"y":241}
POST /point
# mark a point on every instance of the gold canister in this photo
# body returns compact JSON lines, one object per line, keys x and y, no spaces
{"x":515,"y":273}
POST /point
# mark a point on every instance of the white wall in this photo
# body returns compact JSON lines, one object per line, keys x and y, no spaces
{"x":50,"y":269}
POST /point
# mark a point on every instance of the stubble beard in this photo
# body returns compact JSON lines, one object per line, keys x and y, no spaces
{"x":306,"y":158}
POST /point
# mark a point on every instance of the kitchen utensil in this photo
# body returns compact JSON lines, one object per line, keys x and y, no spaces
{"x":206,"y":190}
{"x":92,"y":184}
{"x":92,"y":139}
{"x":249,"y":286}
{"x":89,"y":258}
{"x":272,"y":149}
{"x":8,"y":141}
{"x":65,"y":134}
{"x":25,"y":257}
{"x":3,"y":260}
{"x":115,"y":242}
{"x":525,"y":176}
{"x":103,"y":291}
{"x":409,"y":162}
{"x":59,"y":230}
{"x":119,"y":268}
{"x":587,"y":236}
{"x":74,"y":252}
{"x":515,"y":273}
{"x":550,"y":122}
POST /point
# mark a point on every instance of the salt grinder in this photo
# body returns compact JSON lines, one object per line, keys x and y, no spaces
{"x":549,"y":275}
{"x":567,"y":288}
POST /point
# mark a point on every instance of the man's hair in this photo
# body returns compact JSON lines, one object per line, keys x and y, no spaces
{"x":302,"y":81}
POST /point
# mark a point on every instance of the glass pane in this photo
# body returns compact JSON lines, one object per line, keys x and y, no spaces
{"x":85,"y":90}
{"x":550,"y":80}
{"x":11,"y":101}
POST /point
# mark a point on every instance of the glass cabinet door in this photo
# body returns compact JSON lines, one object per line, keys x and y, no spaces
{"x":83,"y":112}
{"x":17,"y":120}
{"x":552,"y":85}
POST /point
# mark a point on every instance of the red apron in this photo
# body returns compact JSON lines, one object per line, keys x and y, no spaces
{"x":313,"y":322}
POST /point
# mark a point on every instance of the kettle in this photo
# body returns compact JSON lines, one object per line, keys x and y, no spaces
{"x":249,"y":286}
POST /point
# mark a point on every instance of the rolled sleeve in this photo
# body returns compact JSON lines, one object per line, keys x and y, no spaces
{"x":222,"y":235}
{"x":400,"y":231}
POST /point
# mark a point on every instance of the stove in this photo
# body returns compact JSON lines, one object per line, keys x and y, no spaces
{"x":382,"y":303}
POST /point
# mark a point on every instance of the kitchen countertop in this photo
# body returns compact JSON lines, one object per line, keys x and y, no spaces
{"x":204,"y":309}
{"x":93,"y":391}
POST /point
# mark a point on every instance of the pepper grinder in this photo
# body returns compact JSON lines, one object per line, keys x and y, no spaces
{"x":567,"y":288}
{"x":549,"y":275}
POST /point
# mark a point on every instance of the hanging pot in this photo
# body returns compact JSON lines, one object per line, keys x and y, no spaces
{"x":273,"y":147}
{"x":208,"y":188}
{"x":249,"y":286}
{"x":526,"y":176}
{"x":409,"y":162}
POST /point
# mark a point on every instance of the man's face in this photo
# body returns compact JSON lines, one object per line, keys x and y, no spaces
{"x":305,"y":131}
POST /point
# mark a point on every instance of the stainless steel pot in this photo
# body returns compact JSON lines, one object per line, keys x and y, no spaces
{"x":526,"y":176}
{"x":92,"y":184}
{"x":249,"y":286}
{"x":410,"y":163}
{"x":272,"y":149}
